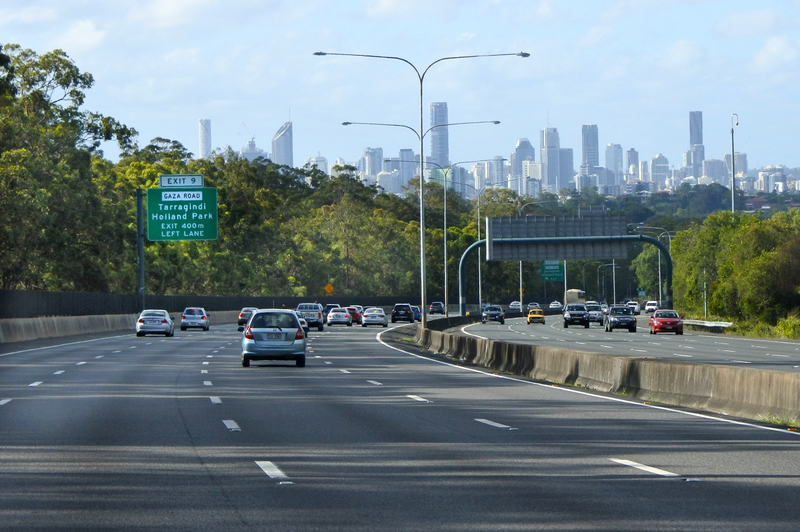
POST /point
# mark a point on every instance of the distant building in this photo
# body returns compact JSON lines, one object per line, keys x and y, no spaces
{"x":633,"y":163}
{"x":697,"y":152}
{"x":251,"y":152}
{"x":318,"y":162}
{"x":659,"y":171}
{"x":440,"y":144}
{"x":614,"y":163}
{"x":523,"y":152}
{"x":373,"y":157}
{"x":566,"y":168}
{"x":409,"y":164}
{"x":740,"y":160}
{"x":391,"y":182}
{"x":549,"y":148}
{"x":591,"y":148}
{"x":714,"y":169}
{"x":205,"y":138}
{"x":282,"y":146}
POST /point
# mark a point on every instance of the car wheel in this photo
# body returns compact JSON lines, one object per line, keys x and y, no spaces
{"x":139,"y":334}
{"x":587,"y":325}
{"x":363,"y":324}
{"x":679,"y":332}
{"x":632,"y":329}
{"x":301,"y":362}
{"x":502,"y":322}
{"x":566,"y":325}
{"x":207,"y":328}
{"x":183,"y":328}
{"x":385,"y":324}
{"x":393,"y":320}
{"x":245,"y":362}
{"x":320,"y":327}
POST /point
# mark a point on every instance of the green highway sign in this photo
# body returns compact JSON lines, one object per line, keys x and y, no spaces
{"x":552,"y":271}
{"x":181,"y":214}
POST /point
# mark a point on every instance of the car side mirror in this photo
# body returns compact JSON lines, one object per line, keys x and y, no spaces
{"x":240,"y":329}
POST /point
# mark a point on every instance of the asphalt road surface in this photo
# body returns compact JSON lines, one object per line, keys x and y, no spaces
{"x":172,"y":434}
{"x":692,"y":346}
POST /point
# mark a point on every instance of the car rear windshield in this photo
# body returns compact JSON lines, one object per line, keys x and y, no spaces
{"x":193,"y":312}
{"x":152,"y":313}
{"x":666,"y":314}
{"x":265,"y":320}
{"x":621,"y":310}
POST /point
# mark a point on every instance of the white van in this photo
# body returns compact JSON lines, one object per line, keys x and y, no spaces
{"x":635,"y":307}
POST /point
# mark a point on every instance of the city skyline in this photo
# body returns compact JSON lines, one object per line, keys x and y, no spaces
{"x":160,"y":66}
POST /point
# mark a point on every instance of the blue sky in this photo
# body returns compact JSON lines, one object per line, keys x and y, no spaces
{"x":636,"y":68}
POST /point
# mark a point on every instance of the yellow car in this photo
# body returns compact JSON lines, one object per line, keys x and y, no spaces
{"x":536,"y":315}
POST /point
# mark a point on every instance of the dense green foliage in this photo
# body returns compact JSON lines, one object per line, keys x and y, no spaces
{"x":68,"y":222}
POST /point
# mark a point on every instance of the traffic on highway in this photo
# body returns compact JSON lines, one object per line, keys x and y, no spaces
{"x":119,"y":432}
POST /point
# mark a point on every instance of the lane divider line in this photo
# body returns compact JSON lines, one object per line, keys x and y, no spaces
{"x":232,"y":425}
{"x":494,"y":424}
{"x":653,"y":470}
{"x":207,"y":383}
{"x":37,"y":383}
{"x":376,"y":383}
{"x":344,"y":371}
{"x":59,"y":372}
{"x":271,"y":469}
{"x":216,"y":400}
{"x":80,"y":363}
{"x":418,"y":398}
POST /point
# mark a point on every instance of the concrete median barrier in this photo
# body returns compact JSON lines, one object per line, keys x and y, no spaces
{"x":728,"y":390}
{"x":22,"y":329}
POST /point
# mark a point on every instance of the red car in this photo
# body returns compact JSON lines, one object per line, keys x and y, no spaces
{"x":354,"y":314}
{"x":665,"y":321}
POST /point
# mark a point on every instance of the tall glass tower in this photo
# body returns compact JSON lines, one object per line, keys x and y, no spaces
{"x":205,"y":138}
{"x":282,"y":149}
{"x":591,"y":148}
{"x":440,"y":142}
{"x":550,"y":148}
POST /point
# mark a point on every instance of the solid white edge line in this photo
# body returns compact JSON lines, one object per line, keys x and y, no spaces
{"x":654,"y":470}
{"x":63,"y":345}
{"x":600,"y":397}
{"x":465,"y":331}
{"x":270,"y":469}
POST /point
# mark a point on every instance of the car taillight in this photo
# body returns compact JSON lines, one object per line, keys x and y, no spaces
{"x":241,"y":314}
{"x":300,"y":335}
{"x":248,"y":333}
{"x":164,"y":321}
{"x":141,"y":320}
{"x":203,"y":318}
{"x":183,"y":317}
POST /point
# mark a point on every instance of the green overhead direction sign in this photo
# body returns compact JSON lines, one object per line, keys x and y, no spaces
{"x":182,"y":213}
{"x":552,"y":271}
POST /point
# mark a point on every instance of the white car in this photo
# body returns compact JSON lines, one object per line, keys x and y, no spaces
{"x":195,"y":317}
{"x":155,"y":322}
{"x":555,"y":304}
{"x":635,"y":307}
{"x":515,"y":306}
{"x":651,"y":306}
{"x":341,"y":316}
{"x":374,"y":316}
{"x":595,"y":311}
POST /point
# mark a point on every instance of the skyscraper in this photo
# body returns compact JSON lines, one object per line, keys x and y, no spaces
{"x":374,"y":161}
{"x":408,"y":166}
{"x":549,"y":148}
{"x":440,"y":144}
{"x":205,"y":138}
{"x":566,"y":167}
{"x":695,"y":127}
{"x":591,"y":148}
{"x":614,"y":163}
{"x":697,"y":152}
{"x":523,"y":152}
{"x":633,"y":163}
{"x":282,"y":149}
{"x":659,"y":171}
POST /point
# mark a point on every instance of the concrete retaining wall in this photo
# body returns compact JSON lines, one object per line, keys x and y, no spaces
{"x":21,"y":329}
{"x":735,"y":391}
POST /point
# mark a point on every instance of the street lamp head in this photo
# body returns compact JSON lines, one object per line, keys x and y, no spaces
{"x":346,"y":123}
{"x":521,"y":54}
{"x":495,"y":122}
{"x":320,"y":53}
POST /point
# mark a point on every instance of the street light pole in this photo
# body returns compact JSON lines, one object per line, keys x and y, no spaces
{"x":421,"y":78}
{"x":733,"y":164}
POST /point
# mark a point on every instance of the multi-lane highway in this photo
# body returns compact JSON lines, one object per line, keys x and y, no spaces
{"x":706,"y":348}
{"x":126,"y":433}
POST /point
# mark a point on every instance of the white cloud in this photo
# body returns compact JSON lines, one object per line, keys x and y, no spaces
{"x":593,"y":36}
{"x":778,"y":52}
{"x":82,"y":35}
{"x":28,"y":15}
{"x":749,"y":23}
{"x":681,"y":55}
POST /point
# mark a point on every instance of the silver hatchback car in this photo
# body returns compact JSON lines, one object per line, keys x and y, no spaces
{"x":273,"y":334}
